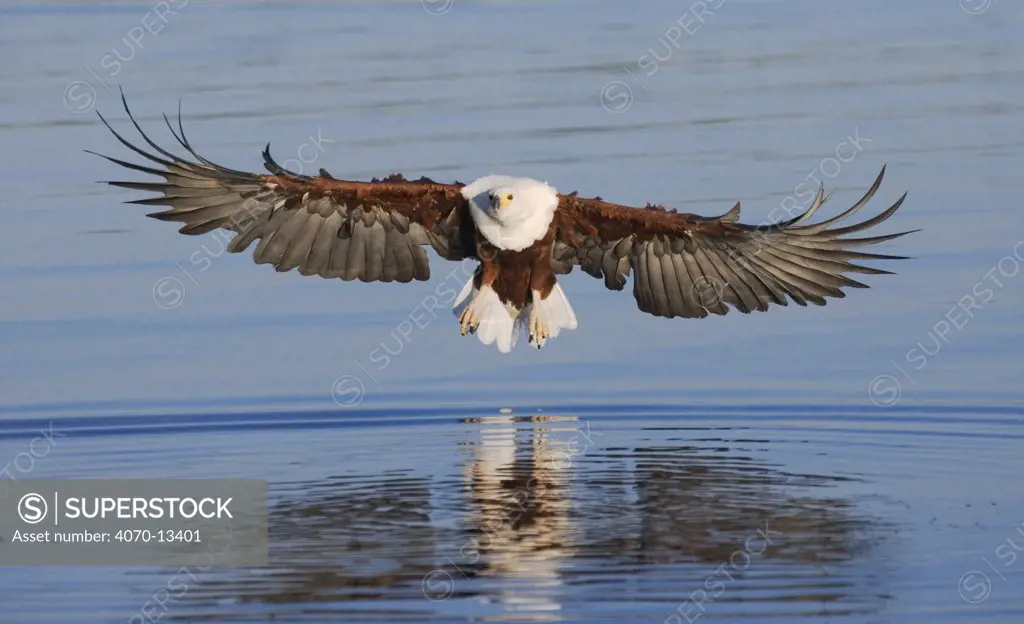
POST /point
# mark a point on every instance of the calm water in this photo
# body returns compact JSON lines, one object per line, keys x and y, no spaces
{"x":855,"y":463}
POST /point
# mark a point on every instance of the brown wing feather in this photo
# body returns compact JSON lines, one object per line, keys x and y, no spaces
{"x":372,"y":231}
{"x":688,"y":265}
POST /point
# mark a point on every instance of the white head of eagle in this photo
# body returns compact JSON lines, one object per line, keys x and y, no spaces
{"x":511,"y":213}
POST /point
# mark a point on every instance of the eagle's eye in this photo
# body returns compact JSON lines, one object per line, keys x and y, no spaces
{"x":509,"y":197}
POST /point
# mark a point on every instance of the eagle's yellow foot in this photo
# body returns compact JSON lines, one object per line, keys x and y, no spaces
{"x":471,"y":317}
{"x":468,"y":321}
{"x":538,"y":328}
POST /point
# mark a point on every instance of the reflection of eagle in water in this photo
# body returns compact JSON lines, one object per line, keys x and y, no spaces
{"x":533,"y":540}
{"x":523,"y":233}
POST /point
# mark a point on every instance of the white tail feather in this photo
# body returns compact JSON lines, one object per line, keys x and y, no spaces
{"x":497,"y":325}
{"x":464,"y":297}
{"x":556,"y":311}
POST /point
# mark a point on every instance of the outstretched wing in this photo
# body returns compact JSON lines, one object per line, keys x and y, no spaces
{"x":688,"y":265}
{"x":372,"y":231}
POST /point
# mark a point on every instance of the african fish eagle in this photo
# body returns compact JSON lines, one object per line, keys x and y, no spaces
{"x":522,"y":232}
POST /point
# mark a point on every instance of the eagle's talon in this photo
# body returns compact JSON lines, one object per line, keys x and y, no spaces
{"x":538,"y":329}
{"x":469,"y":320}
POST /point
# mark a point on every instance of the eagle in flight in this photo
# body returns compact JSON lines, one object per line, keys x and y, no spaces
{"x":523,"y":233}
